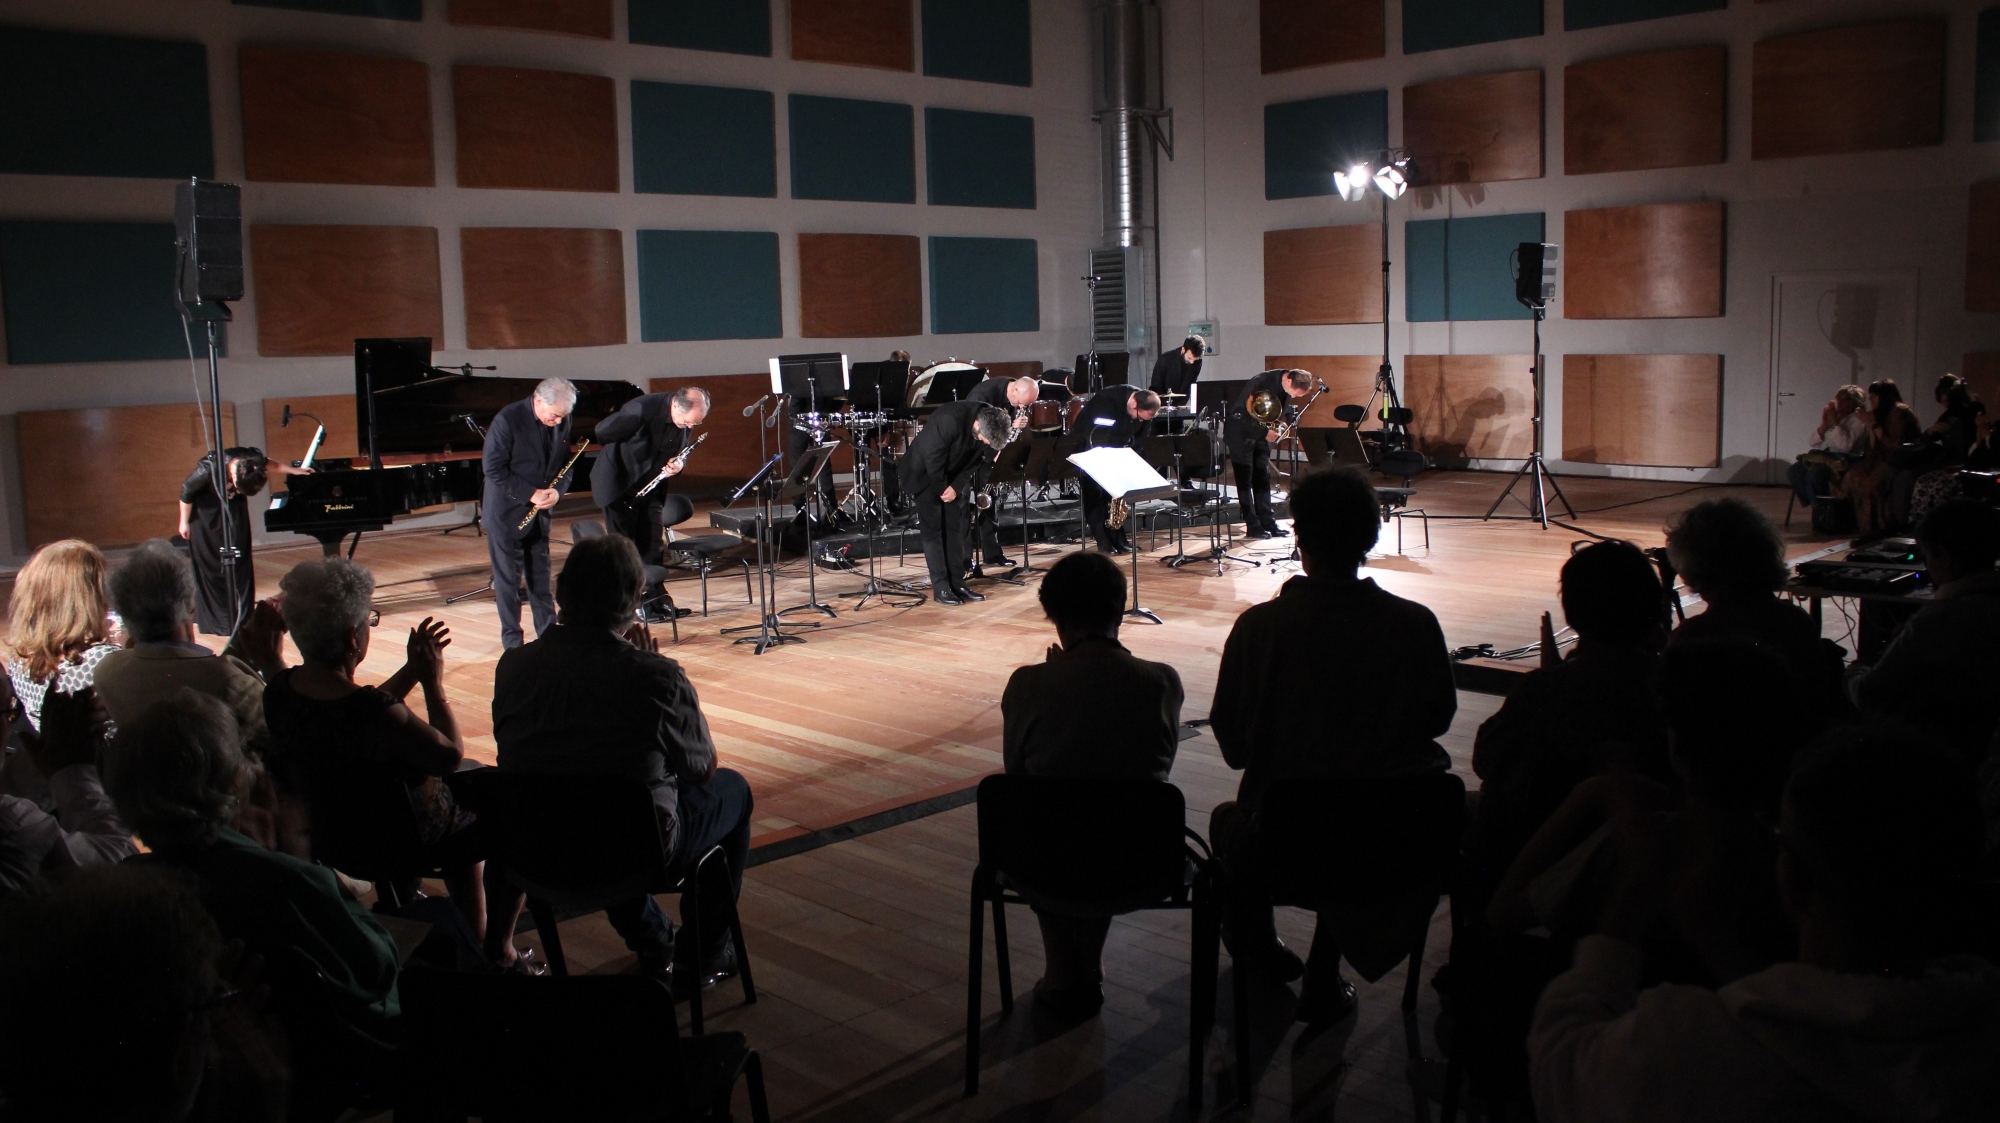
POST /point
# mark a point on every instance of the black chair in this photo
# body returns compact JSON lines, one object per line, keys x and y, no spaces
{"x":363,"y":825}
{"x":1093,"y":847}
{"x":580,"y":842}
{"x":699,"y":553}
{"x":505,"y":1048}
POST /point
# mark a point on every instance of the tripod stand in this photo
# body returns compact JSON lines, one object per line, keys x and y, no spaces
{"x":874,"y":511}
{"x":806,"y":476}
{"x":770,"y":630}
{"x":1537,"y":472}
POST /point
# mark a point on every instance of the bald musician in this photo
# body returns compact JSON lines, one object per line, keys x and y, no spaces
{"x":1014,"y":395}
{"x":1114,"y":417}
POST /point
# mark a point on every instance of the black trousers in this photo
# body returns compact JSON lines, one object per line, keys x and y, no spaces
{"x":1253,"y":488}
{"x":517,"y":561}
{"x":946,"y":538}
{"x":639,"y":520}
{"x":1096,"y":509}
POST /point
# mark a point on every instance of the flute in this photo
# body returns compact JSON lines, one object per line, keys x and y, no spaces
{"x":575,"y":455}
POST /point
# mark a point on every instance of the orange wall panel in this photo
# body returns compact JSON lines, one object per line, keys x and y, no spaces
{"x":319,"y":288}
{"x":1864,"y":88}
{"x":335,"y":117}
{"x":588,"y":18}
{"x":539,"y":130}
{"x":1652,"y":262}
{"x":541,"y":287}
{"x":1481,"y":128}
{"x":1471,"y":407}
{"x":1660,"y":109}
{"x":1650,"y":410}
{"x":1298,"y":33}
{"x":857,"y":285}
{"x":878,"y":33}
{"x":111,"y":476}
{"x":1323,"y":275}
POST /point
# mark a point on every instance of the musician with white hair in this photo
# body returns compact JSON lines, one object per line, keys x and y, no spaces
{"x":527,"y":444}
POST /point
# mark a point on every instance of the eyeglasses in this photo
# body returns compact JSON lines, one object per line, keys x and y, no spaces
{"x":374,"y":617}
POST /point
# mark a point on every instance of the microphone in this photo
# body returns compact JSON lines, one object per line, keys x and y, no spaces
{"x":753,"y":407}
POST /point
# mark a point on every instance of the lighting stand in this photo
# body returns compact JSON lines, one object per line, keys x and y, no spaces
{"x":214,"y":316}
{"x":1541,"y":481}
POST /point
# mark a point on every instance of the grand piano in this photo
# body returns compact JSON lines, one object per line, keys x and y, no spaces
{"x":421,"y":435}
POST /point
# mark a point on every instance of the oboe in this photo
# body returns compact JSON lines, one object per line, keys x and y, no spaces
{"x":575,"y":455}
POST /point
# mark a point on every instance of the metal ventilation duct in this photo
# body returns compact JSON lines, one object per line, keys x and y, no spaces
{"x":1128,"y":101}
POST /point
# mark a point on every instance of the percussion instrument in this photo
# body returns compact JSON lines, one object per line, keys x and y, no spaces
{"x":1072,"y":410}
{"x":1045,"y":417}
{"x":920,"y":384}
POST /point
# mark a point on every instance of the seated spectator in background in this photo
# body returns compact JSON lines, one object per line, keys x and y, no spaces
{"x":84,"y":831}
{"x":58,"y":628}
{"x":1840,"y":440}
{"x":1092,"y":709}
{"x":1950,"y":445}
{"x":363,"y":761}
{"x":1878,"y":1018}
{"x":1334,"y":678}
{"x":1591,"y":714}
{"x":1892,"y":424}
{"x":176,"y":774}
{"x":1729,"y":553}
{"x":1939,"y":671}
{"x":593,"y":696}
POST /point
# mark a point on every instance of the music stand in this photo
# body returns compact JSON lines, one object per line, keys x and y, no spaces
{"x":1009,"y":466}
{"x":769,"y":629}
{"x":801,"y":487}
{"x":1104,"y":368}
{"x":882,"y":387}
{"x":949,"y":386}
{"x":1188,"y":450}
{"x":1041,"y":454}
{"x":1124,"y":475}
{"x":874,"y":516}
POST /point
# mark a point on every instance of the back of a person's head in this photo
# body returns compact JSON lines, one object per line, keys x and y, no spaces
{"x":58,"y":606}
{"x":1965,"y":532}
{"x":154,"y":591}
{"x":601,"y":583}
{"x":1612,"y":594}
{"x":101,"y":984}
{"x":1084,"y":592}
{"x":325,"y":599}
{"x":1336,"y":516}
{"x":1731,"y":707}
{"x":173,"y":772}
{"x":1726,"y":547}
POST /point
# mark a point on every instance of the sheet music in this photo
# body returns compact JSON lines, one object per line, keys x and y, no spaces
{"x":1123,"y":473}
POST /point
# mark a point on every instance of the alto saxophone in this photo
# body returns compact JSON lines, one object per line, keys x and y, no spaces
{"x":1120,"y":511}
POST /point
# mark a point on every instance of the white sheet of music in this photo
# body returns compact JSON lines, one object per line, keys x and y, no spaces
{"x":1123,"y":473}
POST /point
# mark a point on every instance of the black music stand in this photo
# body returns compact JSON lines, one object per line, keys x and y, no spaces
{"x":770,"y":630}
{"x":1190,"y":449}
{"x":802,"y":487}
{"x":1009,"y":466}
{"x":1041,"y":454}
{"x":949,"y":386}
{"x":882,"y":387}
{"x":874,"y":516}
{"x":1122,"y":475}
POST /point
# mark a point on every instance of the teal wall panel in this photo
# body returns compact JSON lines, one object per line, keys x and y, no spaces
{"x":412,"y":10}
{"x":1305,"y":142}
{"x":737,"y":27}
{"x":979,"y":159}
{"x":1580,"y":14}
{"x":109,"y":105}
{"x":703,"y":140}
{"x":79,"y":292}
{"x":855,"y":151}
{"x":708,"y":284}
{"x":984,"y":285}
{"x":980,"y":40}
{"x":1462,"y":268}
{"x":1433,"y":25}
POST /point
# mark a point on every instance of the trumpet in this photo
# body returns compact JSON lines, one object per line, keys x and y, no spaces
{"x":574,"y":455}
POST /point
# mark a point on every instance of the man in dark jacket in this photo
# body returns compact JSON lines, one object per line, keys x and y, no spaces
{"x":1014,"y":395}
{"x":526,"y":445}
{"x":1176,"y":370}
{"x":1114,"y":417}
{"x":640,"y":443}
{"x":1249,"y":443}
{"x":938,"y":471}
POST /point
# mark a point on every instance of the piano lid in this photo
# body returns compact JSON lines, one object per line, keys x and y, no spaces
{"x":425,"y":410}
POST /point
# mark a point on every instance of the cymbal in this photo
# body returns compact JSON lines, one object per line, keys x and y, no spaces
{"x":1173,"y":397}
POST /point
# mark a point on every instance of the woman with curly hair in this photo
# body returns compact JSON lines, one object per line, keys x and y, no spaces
{"x":1868,"y":482}
{"x":59,"y":623}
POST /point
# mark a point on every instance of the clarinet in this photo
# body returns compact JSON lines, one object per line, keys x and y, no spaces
{"x":575,"y":455}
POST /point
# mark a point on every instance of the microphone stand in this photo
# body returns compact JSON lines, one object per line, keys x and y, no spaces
{"x":478,"y":530}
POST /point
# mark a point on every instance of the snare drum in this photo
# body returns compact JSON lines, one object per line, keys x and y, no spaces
{"x":1045,"y":417}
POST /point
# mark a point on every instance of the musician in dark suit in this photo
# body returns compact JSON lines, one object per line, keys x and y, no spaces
{"x":1114,"y":417}
{"x":1175,"y":371}
{"x":526,"y":445}
{"x":202,"y":515}
{"x":1249,"y":443}
{"x":938,"y":471}
{"x":640,"y":442}
{"x":1014,"y":395}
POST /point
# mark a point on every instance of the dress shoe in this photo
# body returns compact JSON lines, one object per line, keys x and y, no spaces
{"x":1068,"y":1004}
{"x":1276,"y":531}
{"x":944,"y":596}
{"x":1256,"y":535}
{"x":715,"y":967}
{"x":967,"y":594}
{"x":1002,"y":560}
{"x":1324,"y":1004}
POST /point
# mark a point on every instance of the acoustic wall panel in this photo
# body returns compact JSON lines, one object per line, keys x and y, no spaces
{"x":111,"y":105}
{"x":80,"y":292}
{"x":708,"y":284}
{"x":542,"y":287}
{"x":979,"y":159}
{"x":1323,"y":275}
{"x":704,"y":140}
{"x":1433,"y":25}
{"x":874,"y":33}
{"x":588,"y":18}
{"x":737,"y":27}
{"x":539,"y":130}
{"x":320,"y":288}
{"x":1349,"y":379}
{"x":1660,"y":411}
{"x":1471,"y":407}
{"x":1629,"y":263}
{"x":1660,"y":109}
{"x":1297,"y":33}
{"x":859,"y":285}
{"x":412,"y":10}
{"x":1480,"y":128}
{"x":1460,"y":268}
{"x":1305,"y":142}
{"x":1982,"y":372}
{"x":1982,"y":250}
{"x":1849,"y":89}
{"x":979,"y":40}
{"x":64,"y":495}
{"x":984,"y":284}
{"x":1581,"y":14}
{"x":850,"y":150}
{"x":334,"y":117}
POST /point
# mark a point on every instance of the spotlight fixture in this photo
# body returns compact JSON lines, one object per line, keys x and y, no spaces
{"x":1392,"y":178}
{"x":1353,"y":183}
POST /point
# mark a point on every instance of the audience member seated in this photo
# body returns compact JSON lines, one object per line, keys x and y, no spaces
{"x":1892,"y":424}
{"x":1937,"y":672}
{"x":593,"y":696}
{"x":84,"y":831}
{"x":176,"y":774}
{"x":1840,"y":440}
{"x":1092,"y":709}
{"x":1334,"y":678}
{"x":154,"y":595}
{"x":343,"y":744}
{"x":1589,"y":715}
{"x":1950,"y":444}
{"x":58,"y":628}
{"x":1881,"y":1015}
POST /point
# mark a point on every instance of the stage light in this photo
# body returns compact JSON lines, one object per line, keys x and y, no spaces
{"x":1391,"y":181}
{"x":1352,"y":183}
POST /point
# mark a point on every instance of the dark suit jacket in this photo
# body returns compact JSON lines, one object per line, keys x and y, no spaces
{"x":1093,"y":710}
{"x":1173,"y":374}
{"x":1111,"y":403}
{"x":521,"y":455}
{"x":992,"y":392}
{"x":946,"y":452}
{"x":1242,"y":432}
{"x":638,"y":440}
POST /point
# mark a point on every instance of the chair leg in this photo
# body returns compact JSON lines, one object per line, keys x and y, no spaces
{"x":1201,"y":1003}
{"x":673,"y":614}
{"x":545,"y":926}
{"x":748,"y":596}
{"x":1791,"y":500}
{"x":691,"y":924}
{"x":1239,"y":979}
{"x":1000,"y":959}
{"x":753,"y":1079}
{"x":975,"y":969}
{"x":726,"y":893}
{"x":1413,"y":984}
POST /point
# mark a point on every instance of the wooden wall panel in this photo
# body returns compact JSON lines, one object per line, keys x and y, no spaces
{"x":286,"y":443}
{"x":1848,"y":89}
{"x":1297,"y":33}
{"x":1982,"y":371}
{"x":539,"y":130}
{"x":319,"y":288}
{"x":543,"y":287}
{"x":1471,"y":407}
{"x":1660,"y":109}
{"x":1323,"y":275}
{"x":878,"y":33}
{"x":857,"y":285}
{"x":1982,"y":249}
{"x":110,"y":476}
{"x":1349,"y":380}
{"x":1651,"y":262}
{"x":729,"y":456}
{"x":589,"y":18}
{"x":334,"y":117}
{"x":1481,"y":128}
{"x":1651,"y":410}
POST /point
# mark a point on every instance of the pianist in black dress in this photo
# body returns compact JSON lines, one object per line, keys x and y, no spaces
{"x":526,"y":445}
{"x":201,"y":525}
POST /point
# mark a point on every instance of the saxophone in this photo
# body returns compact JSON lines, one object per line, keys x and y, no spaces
{"x":1120,"y":511}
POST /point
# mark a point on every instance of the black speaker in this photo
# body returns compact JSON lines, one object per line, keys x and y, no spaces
{"x":1535,"y":274}
{"x":208,"y":237}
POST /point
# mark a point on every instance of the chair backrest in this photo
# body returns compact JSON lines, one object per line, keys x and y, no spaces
{"x":1084,"y":840}
{"x":583,"y":530}
{"x":570,"y":837}
{"x":362,"y":822}
{"x":1350,"y":413}
{"x":1399,"y":415}
{"x":1404,"y":462}
{"x":1363,"y":840}
{"x":1346,"y":446}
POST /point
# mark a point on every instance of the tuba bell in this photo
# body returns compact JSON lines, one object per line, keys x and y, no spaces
{"x":1265,"y":408}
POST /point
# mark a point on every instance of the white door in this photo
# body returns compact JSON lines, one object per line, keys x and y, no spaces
{"x":1830,"y":329}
